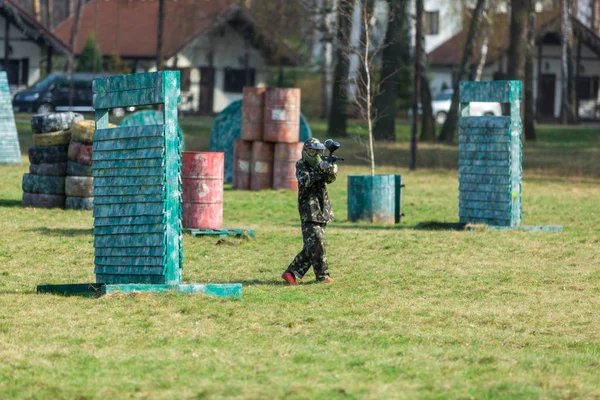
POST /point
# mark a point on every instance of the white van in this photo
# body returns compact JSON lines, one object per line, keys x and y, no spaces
{"x":441,"y":106}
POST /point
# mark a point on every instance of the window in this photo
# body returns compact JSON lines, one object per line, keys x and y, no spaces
{"x":235,"y":79}
{"x":431,"y":23}
{"x":587,"y":87}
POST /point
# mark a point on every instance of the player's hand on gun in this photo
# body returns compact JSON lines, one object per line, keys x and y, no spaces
{"x":328,"y":167}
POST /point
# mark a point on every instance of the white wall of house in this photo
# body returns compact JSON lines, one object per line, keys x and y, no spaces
{"x":228,"y":49}
{"x":450,"y":21}
{"x":22,"y":48}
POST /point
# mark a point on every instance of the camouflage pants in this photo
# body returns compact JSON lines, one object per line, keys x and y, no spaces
{"x":313,"y":252}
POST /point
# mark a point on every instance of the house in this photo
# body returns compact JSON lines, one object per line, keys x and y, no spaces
{"x":547,"y":85}
{"x":25,"y":45}
{"x":215,"y":44}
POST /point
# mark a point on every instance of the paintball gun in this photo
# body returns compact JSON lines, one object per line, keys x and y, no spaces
{"x":332,"y":146}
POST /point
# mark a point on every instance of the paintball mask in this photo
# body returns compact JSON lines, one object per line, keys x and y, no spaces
{"x":312,"y":151}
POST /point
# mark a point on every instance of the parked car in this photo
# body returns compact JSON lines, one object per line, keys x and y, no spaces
{"x":52,"y":94}
{"x":441,"y":107}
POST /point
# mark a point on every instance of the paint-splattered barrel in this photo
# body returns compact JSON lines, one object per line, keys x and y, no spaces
{"x":242,"y":157}
{"x":282,"y":115}
{"x":253,"y":104}
{"x":202,"y":183}
{"x":261,"y":168}
{"x":284,"y":166}
{"x":374,"y":198}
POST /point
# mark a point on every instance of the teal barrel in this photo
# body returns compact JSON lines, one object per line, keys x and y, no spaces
{"x":374,"y":198}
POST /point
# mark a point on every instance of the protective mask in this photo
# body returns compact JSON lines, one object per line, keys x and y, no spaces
{"x":312,"y":161}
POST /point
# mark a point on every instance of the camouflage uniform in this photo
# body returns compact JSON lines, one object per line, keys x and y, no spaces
{"x":315,"y":213}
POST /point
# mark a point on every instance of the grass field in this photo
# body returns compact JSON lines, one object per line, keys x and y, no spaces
{"x":414,"y":312}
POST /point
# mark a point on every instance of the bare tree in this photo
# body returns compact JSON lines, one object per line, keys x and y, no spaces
{"x":393,"y":57}
{"x":160,"y":59}
{"x":427,"y":119}
{"x":449,"y":128}
{"x":567,"y":110}
{"x":71,"y":56}
{"x":338,"y":118}
{"x":529,"y":121}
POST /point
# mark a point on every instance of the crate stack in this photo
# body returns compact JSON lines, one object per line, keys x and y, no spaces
{"x":265,"y":156}
{"x":44,"y":185}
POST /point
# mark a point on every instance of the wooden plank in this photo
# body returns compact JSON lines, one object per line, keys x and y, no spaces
{"x":487,"y":221}
{"x":484,"y":163}
{"x":484,"y":131}
{"x":128,"y":172}
{"x":80,"y":289}
{"x":146,"y":80}
{"x":157,"y":251}
{"x":112,"y":279}
{"x":129,"y":261}
{"x":484,"y":196}
{"x":127,"y":190}
{"x":128,"y":181}
{"x":490,"y":91}
{"x":140,"y":154}
{"x":484,"y":147}
{"x":483,"y":170}
{"x":142,"y":240}
{"x":474,"y":138}
{"x":129,"y":144}
{"x":128,"y":210}
{"x":153,"y":198}
{"x":144,"y":163}
{"x":482,"y":187}
{"x":490,"y":122}
{"x":484,"y":155}
{"x":126,"y":98}
{"x":484,"y":205}
{"x":129,"y":270}
{"x":486,"y":214}
{"x":125,"y":229}
{"x":500,"y":180}
{"x":129,"y":132}
{"x":231,"y":290}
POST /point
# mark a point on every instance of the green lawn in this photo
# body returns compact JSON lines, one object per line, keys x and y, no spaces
{"x":414,"y":312}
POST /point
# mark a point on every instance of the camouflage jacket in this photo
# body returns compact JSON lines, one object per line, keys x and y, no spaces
{"x":313,"y":200}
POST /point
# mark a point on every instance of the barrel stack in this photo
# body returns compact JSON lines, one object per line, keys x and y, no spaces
{"x":44,"y":185}
{"x":265,"y":157}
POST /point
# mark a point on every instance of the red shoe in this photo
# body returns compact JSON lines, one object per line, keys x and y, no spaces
{"x":327,"y":280}
{"x":289,"y":278}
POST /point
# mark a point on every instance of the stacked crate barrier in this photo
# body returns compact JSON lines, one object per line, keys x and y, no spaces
{"x":137,"y":184}
{"x":79,"y":184}
{"x":44,"y":185}
{"x":267,"y":152}
{"x":10,"y":152}
{"x":490,"y":156}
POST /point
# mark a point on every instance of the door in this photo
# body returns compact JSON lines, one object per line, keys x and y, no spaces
{"x":547,"y":93}
{"x":207,"y":88}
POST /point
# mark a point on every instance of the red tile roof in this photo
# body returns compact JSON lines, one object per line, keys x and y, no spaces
{"x":129,"y":27}
{"x":450,"y":52}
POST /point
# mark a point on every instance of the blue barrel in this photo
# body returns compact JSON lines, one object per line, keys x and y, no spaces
{"x":374,"y":198}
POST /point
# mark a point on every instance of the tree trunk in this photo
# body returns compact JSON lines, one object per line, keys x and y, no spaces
{"x":325,"y":28}
{"x":427,"y":120}
{"x":362,"y":79}
{"x":567,"y":115}
{"x":71,"y":57}
{"x":391,"y":61}
{"x":447,"y":133}
{"x":517,"y":49}
{"x":484,"y":47}
{"x":529,"y":122}
{"x":160,"y":60}
{"x":338,"y":119}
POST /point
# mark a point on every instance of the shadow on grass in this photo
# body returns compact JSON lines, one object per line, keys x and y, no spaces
{"x":10,"y":203}
{"x":63,"y":232}
{"x":422,"y":226}
{"x":275,"y":282}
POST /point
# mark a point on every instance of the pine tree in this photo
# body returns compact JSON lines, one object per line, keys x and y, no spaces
{"x":90,"y":59}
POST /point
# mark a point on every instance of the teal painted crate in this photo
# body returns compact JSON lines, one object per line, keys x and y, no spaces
{"x":137,"y":184}
{"x":10,"y":152}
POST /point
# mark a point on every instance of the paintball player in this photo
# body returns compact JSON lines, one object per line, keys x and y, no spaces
{"x":313,"y":173}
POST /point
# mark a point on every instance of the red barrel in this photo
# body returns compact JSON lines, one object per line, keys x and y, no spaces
{"x":202,"y":182}
{"x":284,"y":166}
{"x":261,"y":168}
{"x":253,"y":104}
{"x":242,"y":157}
{"x":282,"y":115}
